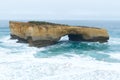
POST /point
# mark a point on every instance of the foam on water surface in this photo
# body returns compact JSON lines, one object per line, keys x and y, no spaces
{"x":19,"y":63}
{"x":66,"y":60}
{"x":60,"y":67}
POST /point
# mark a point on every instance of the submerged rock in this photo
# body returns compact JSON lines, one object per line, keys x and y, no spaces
{"x":44,"y":33}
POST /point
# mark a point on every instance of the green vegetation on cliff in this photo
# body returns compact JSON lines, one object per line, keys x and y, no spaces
{"x":45,"y":23}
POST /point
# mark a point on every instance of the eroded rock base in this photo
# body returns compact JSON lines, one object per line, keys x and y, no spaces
{"x":75,"y":37}
{"x":38,"y":43}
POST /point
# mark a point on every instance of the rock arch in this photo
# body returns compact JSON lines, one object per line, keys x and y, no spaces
{"x":43,"y":33}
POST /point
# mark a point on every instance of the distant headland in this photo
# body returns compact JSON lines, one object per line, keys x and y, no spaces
{"x":41,"y":34}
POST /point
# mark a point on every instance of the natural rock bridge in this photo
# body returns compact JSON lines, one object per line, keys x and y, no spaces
{"x":43,"y":33}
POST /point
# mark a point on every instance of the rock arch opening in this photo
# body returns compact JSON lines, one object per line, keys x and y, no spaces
{"x":75,"y":37}
{"x":64,"y":38}
{"x":72,"y":37}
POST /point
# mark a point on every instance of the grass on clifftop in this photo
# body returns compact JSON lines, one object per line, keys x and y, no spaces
{"x":45,"y":23}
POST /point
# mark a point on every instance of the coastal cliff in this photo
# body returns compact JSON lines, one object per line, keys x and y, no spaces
{"x":43,"y":33}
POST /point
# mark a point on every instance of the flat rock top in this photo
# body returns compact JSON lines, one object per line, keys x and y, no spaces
{"x":53,"y":31}
{"x":39,"y":23}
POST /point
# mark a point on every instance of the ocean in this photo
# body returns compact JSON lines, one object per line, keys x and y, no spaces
{"x":66,"y":60}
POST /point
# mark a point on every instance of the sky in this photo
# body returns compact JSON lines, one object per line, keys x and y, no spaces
{"x":60,"y":9}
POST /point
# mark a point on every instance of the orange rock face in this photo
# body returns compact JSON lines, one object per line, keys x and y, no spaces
{"x":46,"y":34}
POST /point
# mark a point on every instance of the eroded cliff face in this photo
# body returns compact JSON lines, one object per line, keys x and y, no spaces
{"x":47,"y":34}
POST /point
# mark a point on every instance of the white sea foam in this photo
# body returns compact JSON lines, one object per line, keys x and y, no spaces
{"x":7,"y":41}
{"x":60,"y":68}
{"x":114,"y":41}
{"x":64,"y":38}
{"x":12,"y":51}
{"x":115,"y":55}
{"x":19,"y":63}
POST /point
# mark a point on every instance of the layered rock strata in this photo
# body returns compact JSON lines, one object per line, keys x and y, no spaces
{"x":43,"y":33}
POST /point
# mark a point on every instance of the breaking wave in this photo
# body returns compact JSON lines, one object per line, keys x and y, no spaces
{"x":65,"y":60}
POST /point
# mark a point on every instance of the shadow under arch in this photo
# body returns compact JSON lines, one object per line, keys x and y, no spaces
{"x":76,"y":37}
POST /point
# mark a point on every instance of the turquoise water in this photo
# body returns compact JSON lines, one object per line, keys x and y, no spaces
{"x":66,"y":60}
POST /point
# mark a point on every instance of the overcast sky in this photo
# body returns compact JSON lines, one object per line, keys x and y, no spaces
{"x":60,"y":9}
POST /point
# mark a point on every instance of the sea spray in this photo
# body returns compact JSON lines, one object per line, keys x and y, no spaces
{"x":66,"y":60}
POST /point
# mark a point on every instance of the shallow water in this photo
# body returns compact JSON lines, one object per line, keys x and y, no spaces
{"x":66,"y":60}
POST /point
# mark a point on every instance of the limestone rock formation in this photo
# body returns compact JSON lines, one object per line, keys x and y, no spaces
{"x":43,"y":33}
